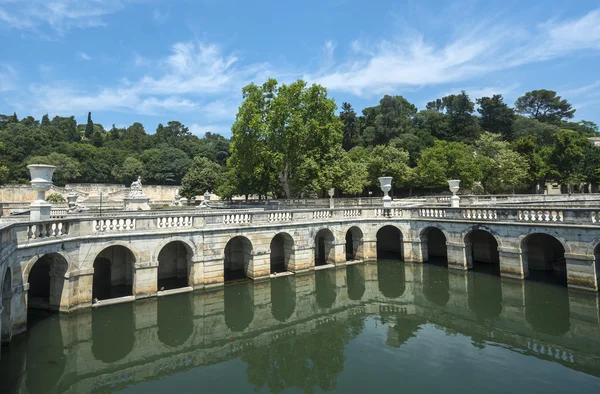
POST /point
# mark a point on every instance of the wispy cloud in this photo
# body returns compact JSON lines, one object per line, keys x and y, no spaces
{"x":84,"y":56}
{"x":159,"y":17}
{"x":8,"y":76}
{"x":200,"y":130}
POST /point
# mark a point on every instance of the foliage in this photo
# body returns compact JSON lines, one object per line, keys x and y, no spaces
{"x":545,"y":106}
{"x":67,"y":168}
{"x":496,"y":116}
{"x":55,"y":198}
{"x":566,"y":157}
{"x":203,"y":175}
{"x":128,"y":171}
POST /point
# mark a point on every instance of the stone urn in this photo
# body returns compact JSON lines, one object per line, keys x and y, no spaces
{"x":331,"y":192}
{"x":385,"y":182}
{"x":41,"y":181}
{"x":72,"y":200}
{"x":454,"y":187}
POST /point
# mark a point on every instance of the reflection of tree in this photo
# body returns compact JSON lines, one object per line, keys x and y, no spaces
{"x":547,"y":308}
{"x":305,"y":361}
{"x":391,"y":278}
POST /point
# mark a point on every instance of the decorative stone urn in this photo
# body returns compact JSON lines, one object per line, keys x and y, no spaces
{"x":385,"y":182}
{"x":454,"y":186}
{"x":331,"y":192}
{"x":41,"y":181}
{"x":72,"y":199}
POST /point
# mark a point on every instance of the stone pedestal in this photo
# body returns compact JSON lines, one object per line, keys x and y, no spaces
{"x":137,"y":204}
{"x":511,"y":263}
{"x":145,"y":280}
{"x":581,"y":272}
{"x":39,"y":210}
{"x":457,"y":256}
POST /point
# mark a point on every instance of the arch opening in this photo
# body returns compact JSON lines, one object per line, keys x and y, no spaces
{"x":547,"y":308}
{"x":354,"y":244}
{"x":282,"y":252}
{"x":113,"y":332}
{"x":238,"y":257}
{"x":5,"y":304}
{"x":433,"y":246}
{"x":239,"y":306}
{"x":174,"y":261}
{"x":544,"y":256}
{"x":113,"y":273}
{"x":325,"y":288}
{"x":355,"y":279}
{"x":46,"y":282}
{"x":283,"y":297}
{"x":391,"y":278}
{"x":389,"y":243}
{"x":436,"y":284}
{"x":482,"y":252}
{"x":175,"y":319}
{"x":324,"y":247}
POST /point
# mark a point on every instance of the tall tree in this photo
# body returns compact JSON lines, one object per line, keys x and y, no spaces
{"x":458,"y":110}
{"x":567,"y":157}
{"x":391,"y":118}
{"x":350,"y":128}
{"x":545,"y":106}
{"x":496,"y":116}
{"x":89,"y":127}
{"x":202,"y":175}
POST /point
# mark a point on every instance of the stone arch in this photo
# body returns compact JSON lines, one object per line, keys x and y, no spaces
{"x":324,"y":247}
{"x":5,"y":306}
{"x":433,"y":245}
{"x":282,"y":252}
{"x":114,"y":270}
{"x":391,"y":278}
{"x":99,"y":248}
{"x":190,"y":245}
{"x":283,"y":297}
{"x":481,"y":250}
{"x":175,"y":319}
{"x":354,"y":244}
{"x":544,"y":256}
{"x":389,"y":243}
{"x":238,"y":258}
{"x":355,"y":280}
{"x":239,"y":306}
{"x":113,"y":338}
{"x":436,"y":284}
{"x":174,"y":265}
{"x":325,"y":288}
{"x":46,"y":278}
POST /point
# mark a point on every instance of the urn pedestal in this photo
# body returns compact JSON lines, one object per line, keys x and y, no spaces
{"x":41,"y":181}
{"x":385,"y":183}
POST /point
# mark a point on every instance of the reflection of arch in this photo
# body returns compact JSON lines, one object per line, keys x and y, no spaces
{"x":544,"y":255}
{"x":482,"y":251}
{"x":391,"y":278}
{"x":484,"y":296}
{"x":174,"y":261}
{"x":355,"y":275}
{"x":547,"y":308}
{"x":5,"y":305}
{"x":46,"y":355}
{"x":238,"y":256}
{"x":113,"y":273}
{"x":324,"y":247}
{"x":113,"y":332}
{"x":433,"y":245}
{"x":354,"y":244}
{"x":436,"y":284}
{"x":46,"y":280}
{"x":325,"y":287}
{"x":175,"y":323}
{"x":389,"y":243}
{"x":282,"y":252}
{"x":239,"y":306}
{"x":283,"y":297}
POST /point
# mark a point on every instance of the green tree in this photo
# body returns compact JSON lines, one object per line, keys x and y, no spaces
{"x":496,"y":116}
{"x":458,"y":110}
{"x":391,"y":118}
{"x":545,"y":106}
{"x":89,"y":127}
{"x":385,"y":160}
{"x":128,"y":171}
{"x":350,"y":126}
{"x":503,"y":170}
{"x":4,"y":174}
{"x":67,"y":168}
{"x":544,"y":133}
{"x":164,"y":165}
{"x":567,"y":156}
{"x":202,"y":175}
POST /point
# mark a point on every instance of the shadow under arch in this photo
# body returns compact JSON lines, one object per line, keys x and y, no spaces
{"x":544,"y":256}
{"x":175,"y":319}
{"x":325,"y":288}
{"x":113,"y":332}
{"x":46,"y":353}
{"x":389,"y":243}
{"x":482,"y":251}
{"x":283,"y":297}
{"x":238,"y":257}
{"x":484,"y":295}
{"x":113,"y":273}
{"x":355,"y":278}
{"x":46,"y":282}
{"x":433,"y":246}
{"x":354,"y":244}
{"x":324,"y":247}
{"x":282,"y":252}
{"x":436,"y":284}
{"x":547,"y":308}
{"x":174,"y":262}
{"x":391,"y":278}
{"x":6,"y":306}
{"x":239,"y":306}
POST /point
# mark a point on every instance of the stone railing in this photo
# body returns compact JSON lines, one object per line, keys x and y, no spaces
{"x":432,"y":213}
{"x":237,"y":218}
{"x":47,"y":230}
{"x":485,"y":214}
{"x":280,"y":216}
{"x":352,"y":213}
{"x":174,"y":222}
{"x":540,"y":216}
{"x":322,"y":214}
{"x":389,"y":212}
{"x":107,"y":225}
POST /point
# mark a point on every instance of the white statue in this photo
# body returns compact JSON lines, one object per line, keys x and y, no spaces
{"x":135,"y":190}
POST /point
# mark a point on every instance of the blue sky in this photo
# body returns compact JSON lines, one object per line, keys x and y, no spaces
{"x":153,"y":61}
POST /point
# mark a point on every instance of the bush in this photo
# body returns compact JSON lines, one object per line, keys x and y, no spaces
{"x":55,"y":198}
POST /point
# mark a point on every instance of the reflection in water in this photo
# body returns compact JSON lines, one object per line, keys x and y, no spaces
{"x":391,"y":276}
{"x":283,"y":297}
{"x":355,"y":278}
{"x":239,"y":306}
{"x":367,"y":335}
{"x":175,"y":319}
{"x":113,"y":332}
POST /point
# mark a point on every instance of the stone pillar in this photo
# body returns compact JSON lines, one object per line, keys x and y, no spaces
{"x":303,"y":259}
{"x":411,"y":250}
{"x":512,"y":264}
{"x":196,"y":275}
{"x":457,"y":256}
{"x":18,"y":308}
{"x":145,"y":279}
{"x":458,"y":283}
{"x":581,"y":272}
{"x":80,"y":288}
{"x":260,"y":264}
{"x":369,"y":249}
{"x":339,"y":253}
{"x":5,"y":329}
{"x":513,"y":298}
{"x":214,"y":271}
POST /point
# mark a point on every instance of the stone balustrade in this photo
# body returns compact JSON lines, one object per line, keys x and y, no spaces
{"x":390,"y":213}
{"x":109,"y":225}
{"x":237,"y":218}
{"x":174,"y":222}
{"x":432,"y":213}
{"x":280,"y":216}
{"x":540,"y":216}
{"x":484,"y":214}
{"x":352,"y":213}
{"x":322,"y":214}
{"x":47,"y":230}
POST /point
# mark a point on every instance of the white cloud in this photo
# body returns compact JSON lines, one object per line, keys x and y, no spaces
{"x":200,"y":130}
{"x":160,"y":17}
{"x":8,"y":77}
{"x":475,"y":92}
{"x":581,"y":90}
{"x":84,"y":56}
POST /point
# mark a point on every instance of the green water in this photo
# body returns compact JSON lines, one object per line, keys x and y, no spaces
{"x":366,"y":328}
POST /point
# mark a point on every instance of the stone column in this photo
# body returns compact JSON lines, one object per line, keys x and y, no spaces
{"x":411,"y":250}
{"x":260,"y":264}
{"x":214,"y":271}
{"x":339,"y":253}
{"x":5,"y":329}
{"x":80,"y":290}
{"x":581,"y":272}
{"x":196,"y":276}
{"x":303,"y":259}
{"x":145,"y":279}
{"x":457,"y":256}
{"x":369,"y":249}
{"x":512,"y":264}
{"x":18,"y":308}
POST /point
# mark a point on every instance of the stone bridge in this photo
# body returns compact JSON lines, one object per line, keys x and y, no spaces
{"x":247,"y":322}
{"x":72,"y":263}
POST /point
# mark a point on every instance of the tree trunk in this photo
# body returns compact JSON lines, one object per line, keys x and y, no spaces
{"x":283,"y":178}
